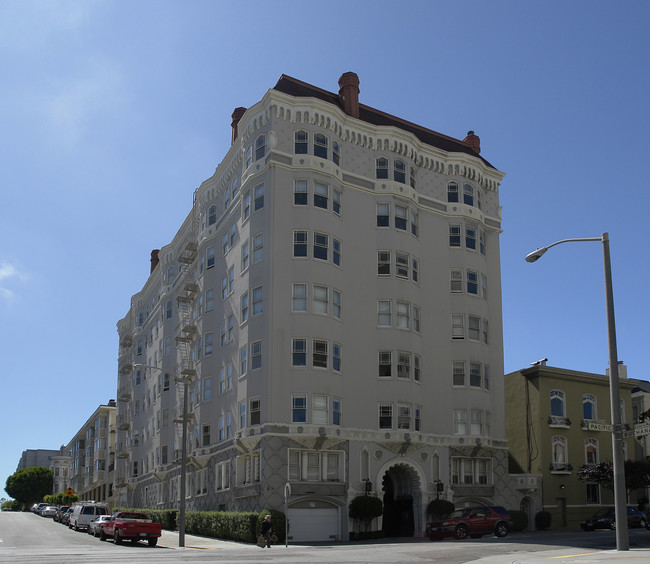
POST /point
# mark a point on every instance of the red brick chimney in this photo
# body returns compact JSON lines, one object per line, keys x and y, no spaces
{"x":349,"y":93}
{"x":236,"y":116}
{"x":473,"y":142}
{"x":154,"y":259}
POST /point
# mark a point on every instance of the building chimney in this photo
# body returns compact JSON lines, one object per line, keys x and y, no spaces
{"x":349,"y":93}
{"x":236,"y":116}
{"x":473,"y":142}
{"x":154,"y":259}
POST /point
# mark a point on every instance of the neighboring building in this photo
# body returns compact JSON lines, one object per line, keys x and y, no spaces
{"x":32,"y":458}
{"x":92,"y":456}
{"x":60,"y":466}
{"x":552,"y":420}
{"x":641,"y":405}
{"x":333,"y":304}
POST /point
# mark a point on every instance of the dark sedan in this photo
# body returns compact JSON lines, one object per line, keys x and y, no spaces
{"x":605,"y":519}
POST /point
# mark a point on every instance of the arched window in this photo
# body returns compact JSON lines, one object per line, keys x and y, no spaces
{"x":452,"y":192}
{"x":320,"y":145}
{"x":588,"y":406}
{"x":557,"y":403}
{"x":591,"y":451}
{"x":212,"y":215}
{"x":559,"y":450}
{"x":171,"y":273}
{"x":336,"y":153}
{"x":468,"y":194}
{"x":382,"y":167}
{"x":301,"y":140}
{"x":399,"y":171}
{"x":260,"y":147}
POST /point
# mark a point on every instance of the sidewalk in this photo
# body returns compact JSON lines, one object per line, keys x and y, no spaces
{"x":569,"y":555}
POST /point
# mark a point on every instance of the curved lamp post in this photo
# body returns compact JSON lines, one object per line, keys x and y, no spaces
{"x":181,"y":505}
{"x":622,"y":537}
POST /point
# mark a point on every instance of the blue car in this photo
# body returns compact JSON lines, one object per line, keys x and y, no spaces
{"x":605,"y":519}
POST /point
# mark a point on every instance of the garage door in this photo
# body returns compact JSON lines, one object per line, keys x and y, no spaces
{"x":311,"y":525}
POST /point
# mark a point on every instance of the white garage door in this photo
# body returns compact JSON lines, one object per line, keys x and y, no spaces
{"x":311,"y":525}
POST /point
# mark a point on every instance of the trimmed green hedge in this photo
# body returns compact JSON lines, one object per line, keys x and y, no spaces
{"x":228,"y":525}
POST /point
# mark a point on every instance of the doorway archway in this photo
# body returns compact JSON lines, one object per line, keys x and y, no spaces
{"x":402,"y":497}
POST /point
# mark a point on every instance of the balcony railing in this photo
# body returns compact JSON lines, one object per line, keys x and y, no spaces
{"x":561,"y":468}
{"x":559,"y":421}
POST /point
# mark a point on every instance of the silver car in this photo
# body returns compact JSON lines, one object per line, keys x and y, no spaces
{"x":95,"y":526}
{"x":49,"y":511}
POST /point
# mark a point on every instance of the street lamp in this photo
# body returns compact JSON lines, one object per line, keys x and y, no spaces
{"x":181,"y":506}
{"x":622,"y":537}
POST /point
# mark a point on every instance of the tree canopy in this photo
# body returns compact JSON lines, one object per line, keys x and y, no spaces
{"x":637,"y":474}
{"x":30,"y":485}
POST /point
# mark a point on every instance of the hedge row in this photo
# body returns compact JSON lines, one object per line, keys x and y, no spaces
{"x":227,"y":525}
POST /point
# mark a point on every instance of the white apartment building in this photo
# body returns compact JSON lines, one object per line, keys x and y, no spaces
{"x":333,"y":304}
{"x":92,"y":456}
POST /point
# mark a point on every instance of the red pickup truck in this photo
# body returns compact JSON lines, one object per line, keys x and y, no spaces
{"x":132,"y":526}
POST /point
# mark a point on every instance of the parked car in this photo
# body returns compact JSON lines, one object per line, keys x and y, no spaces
{"x":132,"y":526}
{"x":605,"y":519}
{"x":473,"y":522}
{"x":60,"y":511}
{"x":39,"y":507}
{"x":94,"y":527}
{"x":49,"y":511}
{"x":84,"y":512}
{"x":65,"y":516}
{"x":33,"y":508}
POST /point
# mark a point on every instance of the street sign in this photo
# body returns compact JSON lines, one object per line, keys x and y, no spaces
{"x":642,"y":429}
{"x":595,"y":426}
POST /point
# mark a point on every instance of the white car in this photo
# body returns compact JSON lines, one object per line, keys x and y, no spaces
{"x":49,"y":511}
{"x":95,"y":526}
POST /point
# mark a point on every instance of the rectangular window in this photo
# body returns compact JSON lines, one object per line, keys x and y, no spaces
{"x":486,"y":376}
{"x":246,"y":206}
{"x":476,"y":423}
{"x":321,"y":195}
{"x":385,"y":415}
{"x":244,"y":307}
{"x":403,"y":365}
{"x":458,"y":373}
{"x":385,"y":364}
{"x":336,"y":304}
{"x":319,"y":353}
{"x":210,"y":257}
{"x":300,"y":243}
{"x":383,"y":263}
{"x":300,"y":192}
{"x":382,"y":167}
{"x":457,"y":326}
{"x":416,"y":319}
{"x":414,"y":224}
{"x":417,"y":422}
{"x":209,"y":299}
{"x":484,"y":331}
{"x":299,"y":352}
{"x":470,"y":237}
{"x":460,"y":422}
{"x":320,"y":299}
{"x":242,"y":415}
{"x":256,"y":354}
{"x":474,"y":327}
{"x":593,"y":494}
{"x":336,"y":357}
{"x":255,"y":411}
{"x":472,"y":282}
{"x":244,"y":255}
{"x":336,"y":411}
{"x":475,"y":374}
{"x":403,"y":315}
{"x":259,"y":197}
{"x":456,"y":277}
{"x":243,"y":360}
{"x":231,"y":327}
{"x":299,"y":297}
{"x":336,"y":201}
{"x":319,"y":409}
{"x":257,"y":300}
{"x":260,"y":146}
{"x":415,"y":270}
{"x":384,"y":313}
{"x":454,"y":235}
{"x":321,"y":245}
{"x":403,"y":416}
{"x":222,"y":476}
{"x":207,"y":389}
{"x":401,"y":217}
{"x":336,"y":252}
{"x":208,"y":344}
{"x":402,"y":265}
{"x":452,"y":192}
{"x":299,"y":409}
{"x":417,"y":367}
{"x":205,"y":436}
{"x":383,"y":215}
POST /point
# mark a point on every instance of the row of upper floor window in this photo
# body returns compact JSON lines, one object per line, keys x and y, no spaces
{"x":558,"y":407}
{"x":560,"y":461}
{"x":478,"y":424}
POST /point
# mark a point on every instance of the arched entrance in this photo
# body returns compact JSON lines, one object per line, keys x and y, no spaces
{"x":402,"y":501}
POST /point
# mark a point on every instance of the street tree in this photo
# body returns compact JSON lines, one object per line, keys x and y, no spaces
{"x":30,"y":485}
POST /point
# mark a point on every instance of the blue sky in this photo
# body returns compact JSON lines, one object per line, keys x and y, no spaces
{"x":112,"y":114}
